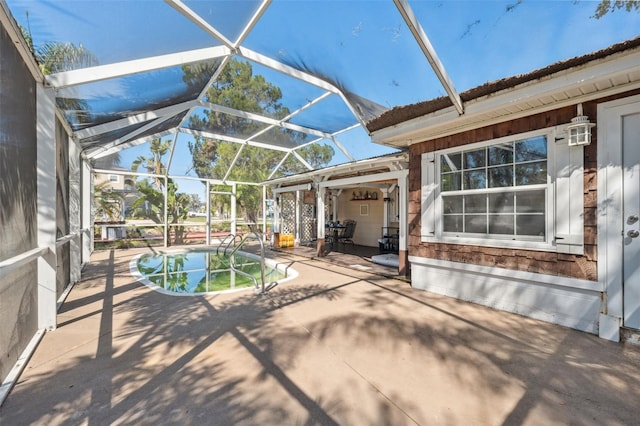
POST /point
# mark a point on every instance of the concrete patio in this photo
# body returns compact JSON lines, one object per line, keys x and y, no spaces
{"x":337,"y":345}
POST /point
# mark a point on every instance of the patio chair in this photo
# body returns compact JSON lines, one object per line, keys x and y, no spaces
{"x":349,"y":230}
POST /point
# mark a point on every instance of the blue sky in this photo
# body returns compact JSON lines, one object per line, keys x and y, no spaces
{"x":363,"y":45}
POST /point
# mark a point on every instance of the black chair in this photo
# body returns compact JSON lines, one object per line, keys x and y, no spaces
{"x":389,"y":241}
{"x":349,"y":229}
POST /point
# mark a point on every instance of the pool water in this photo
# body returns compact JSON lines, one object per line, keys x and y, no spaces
{"x":202,"y":271}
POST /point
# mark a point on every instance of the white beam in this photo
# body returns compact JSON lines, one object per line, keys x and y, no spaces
{"x":343,"y":149}
{"x":213,"y":78}
{"x":346,"y":129}
{"x":364,"y":179}
{"x":129,"y":136}
{"x":428,"y":50}
{"x":134,"y":119}
{"x":252,"y":22}
{"x":46,"y":204}
{"x":233,"y":163}
{"x":173,"y":149}
{"x":289,"y":189}
{"x":197,"y":19}
{"x":96,"y":153}
{"x":302,"y":160}
{"x":103,"y":72}
{"x":264,"y":119}
{"x":225,"y":138}
{"x":275,"y":169}
{"x":286,"y":69}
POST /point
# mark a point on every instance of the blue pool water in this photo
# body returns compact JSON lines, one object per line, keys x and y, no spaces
{"x":201,"y":271}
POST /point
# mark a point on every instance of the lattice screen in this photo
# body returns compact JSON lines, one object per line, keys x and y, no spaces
{"x":308,"y":228}
{"x":287,"y":213}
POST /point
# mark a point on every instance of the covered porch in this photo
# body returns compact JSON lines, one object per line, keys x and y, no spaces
{"x":356,"y":204}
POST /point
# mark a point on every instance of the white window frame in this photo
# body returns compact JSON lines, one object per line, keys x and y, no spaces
{"x":432,"y":226}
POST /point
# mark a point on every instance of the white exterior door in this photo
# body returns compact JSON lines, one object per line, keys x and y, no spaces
{"x":619,"y":212}
{"x":629,"y":123}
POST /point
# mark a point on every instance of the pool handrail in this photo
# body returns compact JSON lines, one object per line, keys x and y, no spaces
{"x":253,"y":235}
{"x":231,"y":240}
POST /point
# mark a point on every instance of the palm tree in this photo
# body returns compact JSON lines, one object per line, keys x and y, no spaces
{"x":107,"y":204}
{"x":152,"y":198}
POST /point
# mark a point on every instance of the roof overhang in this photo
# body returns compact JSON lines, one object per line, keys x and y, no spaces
{"x":368,"y":167}
{"x":603,"y":77}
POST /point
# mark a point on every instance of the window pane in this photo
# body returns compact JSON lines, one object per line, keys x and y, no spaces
{"x":531,"y":149}
{"x":501,"y":203}
{"x":475,"y":159}
{"x":499,"y":177}
{"x":452,"y":223}
{"x":476,"y":224}
{"x":501,"y":224}
{"x":475,"y":203}
{"x":528,"y":224}
{"x":451,"y":182}
{"x":452,"y":204}
{"x":531,"y":173}
{"x":475,"y":179}
{"x":530,"y":202}
{"x":501,"y":154}
{"x":451,"y":162}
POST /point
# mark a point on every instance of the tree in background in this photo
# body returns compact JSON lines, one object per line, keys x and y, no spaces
{"x":608,"y":6}
{"x":150,"y":204}
{"x":107,"y":204}
{"x":237,"y":87}
{"x":53,"y":57}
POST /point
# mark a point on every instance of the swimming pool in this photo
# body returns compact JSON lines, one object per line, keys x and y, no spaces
{"x":200,"y":271}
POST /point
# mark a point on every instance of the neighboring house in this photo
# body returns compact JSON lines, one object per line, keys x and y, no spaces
{"x":504,"y":211}
{"x":122,"y":187}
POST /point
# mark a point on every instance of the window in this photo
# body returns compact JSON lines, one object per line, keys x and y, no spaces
{"x":113,"y":178}
{"x":505,"y":193}
{"x":496,"y":191}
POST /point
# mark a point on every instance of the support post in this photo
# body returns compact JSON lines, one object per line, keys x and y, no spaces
{"x":298,"y":218}
{"x":276,"y":219}
{"x":334,"y":205}
{"x":320,"y":246}
{"x":208,"y":224}
{"x":234,"y":219}
{"x":75,"y":255}
{"x":165,"y":194}
{"x":403,"y":197}
{"x":87,"y":211}
{"x":264,"y":212}
{"x":46,"y":186}
{"x":385,"y":211}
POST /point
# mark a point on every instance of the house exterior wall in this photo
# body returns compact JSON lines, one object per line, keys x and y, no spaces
{"x":368,"y":226}
{"x":551,"y":286}
{"x":576,"y":266}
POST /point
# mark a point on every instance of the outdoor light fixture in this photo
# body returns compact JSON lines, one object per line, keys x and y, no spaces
{"x":579,"y":131}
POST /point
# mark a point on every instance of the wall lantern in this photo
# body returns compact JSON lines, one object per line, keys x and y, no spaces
{"x":579,"y":131}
